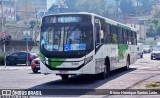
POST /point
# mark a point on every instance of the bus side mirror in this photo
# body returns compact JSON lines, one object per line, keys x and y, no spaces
{"x":101,"y":34}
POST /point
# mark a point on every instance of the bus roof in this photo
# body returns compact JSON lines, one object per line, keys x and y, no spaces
{"x":106,"y":19}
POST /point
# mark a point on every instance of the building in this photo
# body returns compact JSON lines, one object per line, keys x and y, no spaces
{"x":29,"y":8}
{"x":8,"y":22}
{"x":141,"y":29}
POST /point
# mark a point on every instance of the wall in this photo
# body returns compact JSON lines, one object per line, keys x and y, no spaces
{"x":16,"y":46}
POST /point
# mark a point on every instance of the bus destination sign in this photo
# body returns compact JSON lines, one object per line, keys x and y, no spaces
{"x":62,"y":19}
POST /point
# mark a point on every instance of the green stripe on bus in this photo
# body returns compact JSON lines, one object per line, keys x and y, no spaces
{"x":122,"y":49}
{"x":123,"y":26}
{"x":54,"y":64}
{"x":41,"y":55}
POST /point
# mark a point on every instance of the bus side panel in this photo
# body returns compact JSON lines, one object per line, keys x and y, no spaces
{"x":43,"y":68}
{"x":133,"y":53}
{"x":110,"y":51}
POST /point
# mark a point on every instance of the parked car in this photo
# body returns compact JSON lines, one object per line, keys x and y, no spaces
{"x":35,"y":65}
{"x":155,"y":53}
{"x":140,"y":50}
{"x":21,"y":58}
{"x":147,"y":48}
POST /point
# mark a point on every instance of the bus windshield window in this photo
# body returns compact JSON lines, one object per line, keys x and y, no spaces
{"x":67,"y":38}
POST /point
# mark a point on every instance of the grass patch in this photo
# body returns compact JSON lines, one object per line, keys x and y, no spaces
{"x":153,"y":85}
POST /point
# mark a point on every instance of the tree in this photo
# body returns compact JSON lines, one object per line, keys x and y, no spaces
{"x":127,"y":7}
{"x":59,"y":7}
{"x":158,"y":27}
{"x":93,"y":6}
{"x":53,"y":8}
{"x":71,"y":4}
{"x":152,"y":30}
{"x":32,"y":24}
{"x":144,"y":6}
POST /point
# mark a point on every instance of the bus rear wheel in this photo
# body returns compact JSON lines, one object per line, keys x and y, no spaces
{"x":127,"y":64}
{"x":64,"y":77}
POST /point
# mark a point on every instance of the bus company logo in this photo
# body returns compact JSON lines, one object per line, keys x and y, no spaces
{"x":6,"y":93}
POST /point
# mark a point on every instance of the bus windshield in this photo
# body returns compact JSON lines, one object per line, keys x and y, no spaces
{"x":66,"y":38}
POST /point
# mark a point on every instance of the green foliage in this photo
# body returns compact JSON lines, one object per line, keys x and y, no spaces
{"x":18,"y":17}
{"x":32,"y":24}
{"x":127,"y":7}
{"x":145,"y":6}
{"x":53,"y":8}
{"x":152,"y":84}
{"x":93,"y":6}
{"x":154,"y":28}
{"x":71,"y":5}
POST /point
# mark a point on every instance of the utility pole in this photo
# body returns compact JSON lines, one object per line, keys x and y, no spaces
{"x":4,"y":46}
{"x":36,"y":27}
{"x":26,"y":30}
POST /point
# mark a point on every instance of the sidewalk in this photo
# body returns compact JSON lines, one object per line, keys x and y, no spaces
{"x":15,"y":67}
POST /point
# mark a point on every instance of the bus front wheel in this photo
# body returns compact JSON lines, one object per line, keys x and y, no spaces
{"x":106,"y":71}
{"x":64,"y":77}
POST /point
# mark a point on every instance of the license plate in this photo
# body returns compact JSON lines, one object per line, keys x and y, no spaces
{"x":63,"y":72}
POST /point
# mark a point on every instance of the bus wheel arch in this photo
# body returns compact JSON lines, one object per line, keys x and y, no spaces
{"x":106,"y":69}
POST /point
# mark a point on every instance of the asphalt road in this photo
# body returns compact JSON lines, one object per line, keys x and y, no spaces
{"x":142,"y":71}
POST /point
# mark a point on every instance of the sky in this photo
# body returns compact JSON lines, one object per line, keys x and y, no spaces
{"x":50,"y":2}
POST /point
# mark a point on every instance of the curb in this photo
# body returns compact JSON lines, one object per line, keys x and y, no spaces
{"x":14,"y":68}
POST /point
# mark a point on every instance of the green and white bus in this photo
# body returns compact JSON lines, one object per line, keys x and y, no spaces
{"x":85,"y":43}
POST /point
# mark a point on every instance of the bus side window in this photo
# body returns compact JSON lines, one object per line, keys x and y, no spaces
{"x":114,"y":36}
{"x":97,"y":34}
{"x":125,"y":37}
{"x":120,"y":35}
{"x":134,"y":38}
{"x":107,"y":34}
{"x":129,"y":37}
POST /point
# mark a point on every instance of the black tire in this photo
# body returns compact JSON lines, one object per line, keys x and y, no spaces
{"x":127,"y":64}
{"x":102,"y":75}
{"x":151,"y":58}
{"x":106,"y":72}
{"x":64,"y":77}
{"x":142,"y":56}
{"x":35,"y":70}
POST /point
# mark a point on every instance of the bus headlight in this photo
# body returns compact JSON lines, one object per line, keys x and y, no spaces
{"x":87,"y":60}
